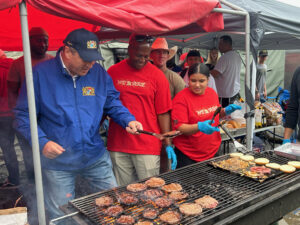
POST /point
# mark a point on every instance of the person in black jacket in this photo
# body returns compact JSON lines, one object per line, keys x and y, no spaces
{"x":292,"y":113}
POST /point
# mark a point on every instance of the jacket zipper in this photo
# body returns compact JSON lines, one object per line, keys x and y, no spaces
{"x":77,"y":112}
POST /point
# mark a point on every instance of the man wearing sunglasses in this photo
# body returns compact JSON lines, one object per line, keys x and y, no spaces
{"x":144,"y":90}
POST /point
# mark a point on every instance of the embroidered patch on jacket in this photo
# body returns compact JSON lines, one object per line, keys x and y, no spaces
{"x":88,"y":91}
{"x":91,"y":44}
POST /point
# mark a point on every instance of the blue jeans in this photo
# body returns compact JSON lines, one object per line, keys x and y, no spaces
{"x":59,"y":186}
{"x":7,"y":137}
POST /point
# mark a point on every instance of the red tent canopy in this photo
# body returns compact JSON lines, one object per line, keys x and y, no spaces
{"x":153,"y":17}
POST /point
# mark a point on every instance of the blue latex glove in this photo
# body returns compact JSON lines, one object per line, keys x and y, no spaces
{"x":286,"y":141}
{"x":171,"y":155}
{"x":231,"y":108}
{"x":206,"y":128}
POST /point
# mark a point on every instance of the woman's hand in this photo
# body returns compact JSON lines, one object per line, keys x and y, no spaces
{"x":206,"y":128}
{"x":231,"y":108}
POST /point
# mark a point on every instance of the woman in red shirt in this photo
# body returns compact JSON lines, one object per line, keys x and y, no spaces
{"x":193,"y":109}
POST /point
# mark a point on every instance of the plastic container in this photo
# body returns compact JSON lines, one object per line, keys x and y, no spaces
{"x":289,"y":150}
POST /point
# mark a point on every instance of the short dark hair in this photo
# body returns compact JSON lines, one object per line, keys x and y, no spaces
{"x":199,"y":68}
{"x":193,"y":53}
{"x":226,"y":39}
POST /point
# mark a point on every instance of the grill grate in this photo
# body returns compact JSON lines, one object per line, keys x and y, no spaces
{"x":233,"y":192}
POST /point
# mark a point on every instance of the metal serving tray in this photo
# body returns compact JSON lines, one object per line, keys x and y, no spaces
{"x":289,"y":150}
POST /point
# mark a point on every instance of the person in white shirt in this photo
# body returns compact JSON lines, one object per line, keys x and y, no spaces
{"x":227,"y":72}
{"x":261,"y":74}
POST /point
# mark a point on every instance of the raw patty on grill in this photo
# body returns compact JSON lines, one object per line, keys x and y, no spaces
{"x":104,"y":201}
{"x":114,"y":211}
{"x":207,"y":202}
{"x":125,"y":220}
{"x":127,"y":198}
{"x":178,"y":195}
{"x":155,"y":182}
{"x":136,"y":187}
{"x":163,"y":202}
{"x":172,"y":187}
{"x":150,"y":213}
{"x":152,"y":193}
{"x":170,"y":217}
{"x":190,"y":209}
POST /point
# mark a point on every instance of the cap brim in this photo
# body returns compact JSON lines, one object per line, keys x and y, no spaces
{"x":172,"y":52}
{"x":89,"y":56}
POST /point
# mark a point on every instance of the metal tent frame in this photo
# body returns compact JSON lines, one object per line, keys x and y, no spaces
{"x":31,"y":98}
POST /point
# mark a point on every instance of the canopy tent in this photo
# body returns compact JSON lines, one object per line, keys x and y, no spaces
{"x":139,"y":16}
{"x":274,"y":25}
{"x":59,"y":17}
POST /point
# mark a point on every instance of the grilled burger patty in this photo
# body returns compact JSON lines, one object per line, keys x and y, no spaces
{"x":144,"y":223}
{"x":155,"y":182}
{"x":114,"y":211}
{"x":104,"y":201}
{"x":170,"y":217}
{"x":127,"y":198}
{"x":163,"y":202}
{"x":125,"y":220}
{"x":178,"y":195}
{"x":207,"y":202}
{"x":172,"y":187}
{"x":190,"y":209}
{"x":152,"y":193}
{"x":136,"y":187}
{"x":150,"y":213}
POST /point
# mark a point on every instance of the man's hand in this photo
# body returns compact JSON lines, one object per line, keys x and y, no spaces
{"x":265,"y":94}
{"x":133,"y":126}
{"x":51,"y":150}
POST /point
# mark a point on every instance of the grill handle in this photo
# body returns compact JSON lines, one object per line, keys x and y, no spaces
{"x":62,"y":217}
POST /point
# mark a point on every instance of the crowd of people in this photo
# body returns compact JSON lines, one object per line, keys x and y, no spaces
{"x":73,"y":94}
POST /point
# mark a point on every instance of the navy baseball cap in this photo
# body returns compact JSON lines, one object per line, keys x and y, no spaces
{"x":85,"y":42}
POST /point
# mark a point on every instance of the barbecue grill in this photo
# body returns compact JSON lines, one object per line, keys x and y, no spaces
{"x":238,"y":196}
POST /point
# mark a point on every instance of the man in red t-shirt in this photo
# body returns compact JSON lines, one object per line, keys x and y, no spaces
{"x":144,"y":90}
{"x":7,"y":134}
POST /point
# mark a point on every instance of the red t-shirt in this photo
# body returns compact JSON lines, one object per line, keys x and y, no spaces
{"x":4,"y":67}
{"x":189,"y":108}
{"x":146,"y":94}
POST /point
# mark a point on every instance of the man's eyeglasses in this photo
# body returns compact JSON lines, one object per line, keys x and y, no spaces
{"x":142,"y":38}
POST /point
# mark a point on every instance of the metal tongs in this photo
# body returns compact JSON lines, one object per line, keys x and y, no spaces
{"x":170,"y":134}
{"x":238,"y":146}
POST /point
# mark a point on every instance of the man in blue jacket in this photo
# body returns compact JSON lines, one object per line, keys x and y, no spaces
{"x":72,"y":93}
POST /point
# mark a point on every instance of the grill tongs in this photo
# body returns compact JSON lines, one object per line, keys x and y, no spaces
{"x":238,"y":146}
{"x":170,"y":134}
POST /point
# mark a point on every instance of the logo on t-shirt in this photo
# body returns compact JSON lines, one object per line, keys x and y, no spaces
{"x":131,"y":83}
{"x":88,"y":91}
{"x":202,"y":112}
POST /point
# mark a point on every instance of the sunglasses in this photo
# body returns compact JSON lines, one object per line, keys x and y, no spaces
{"x":142,"y":38}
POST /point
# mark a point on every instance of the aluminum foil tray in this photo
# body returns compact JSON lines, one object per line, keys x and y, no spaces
{"x":289,"y":150}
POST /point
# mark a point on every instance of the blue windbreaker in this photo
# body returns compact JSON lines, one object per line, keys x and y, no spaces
{"x":69,"y":113}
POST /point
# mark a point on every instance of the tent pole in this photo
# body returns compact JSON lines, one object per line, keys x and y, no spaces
{"x":241,"y":11}
{"x":32,"y":114}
